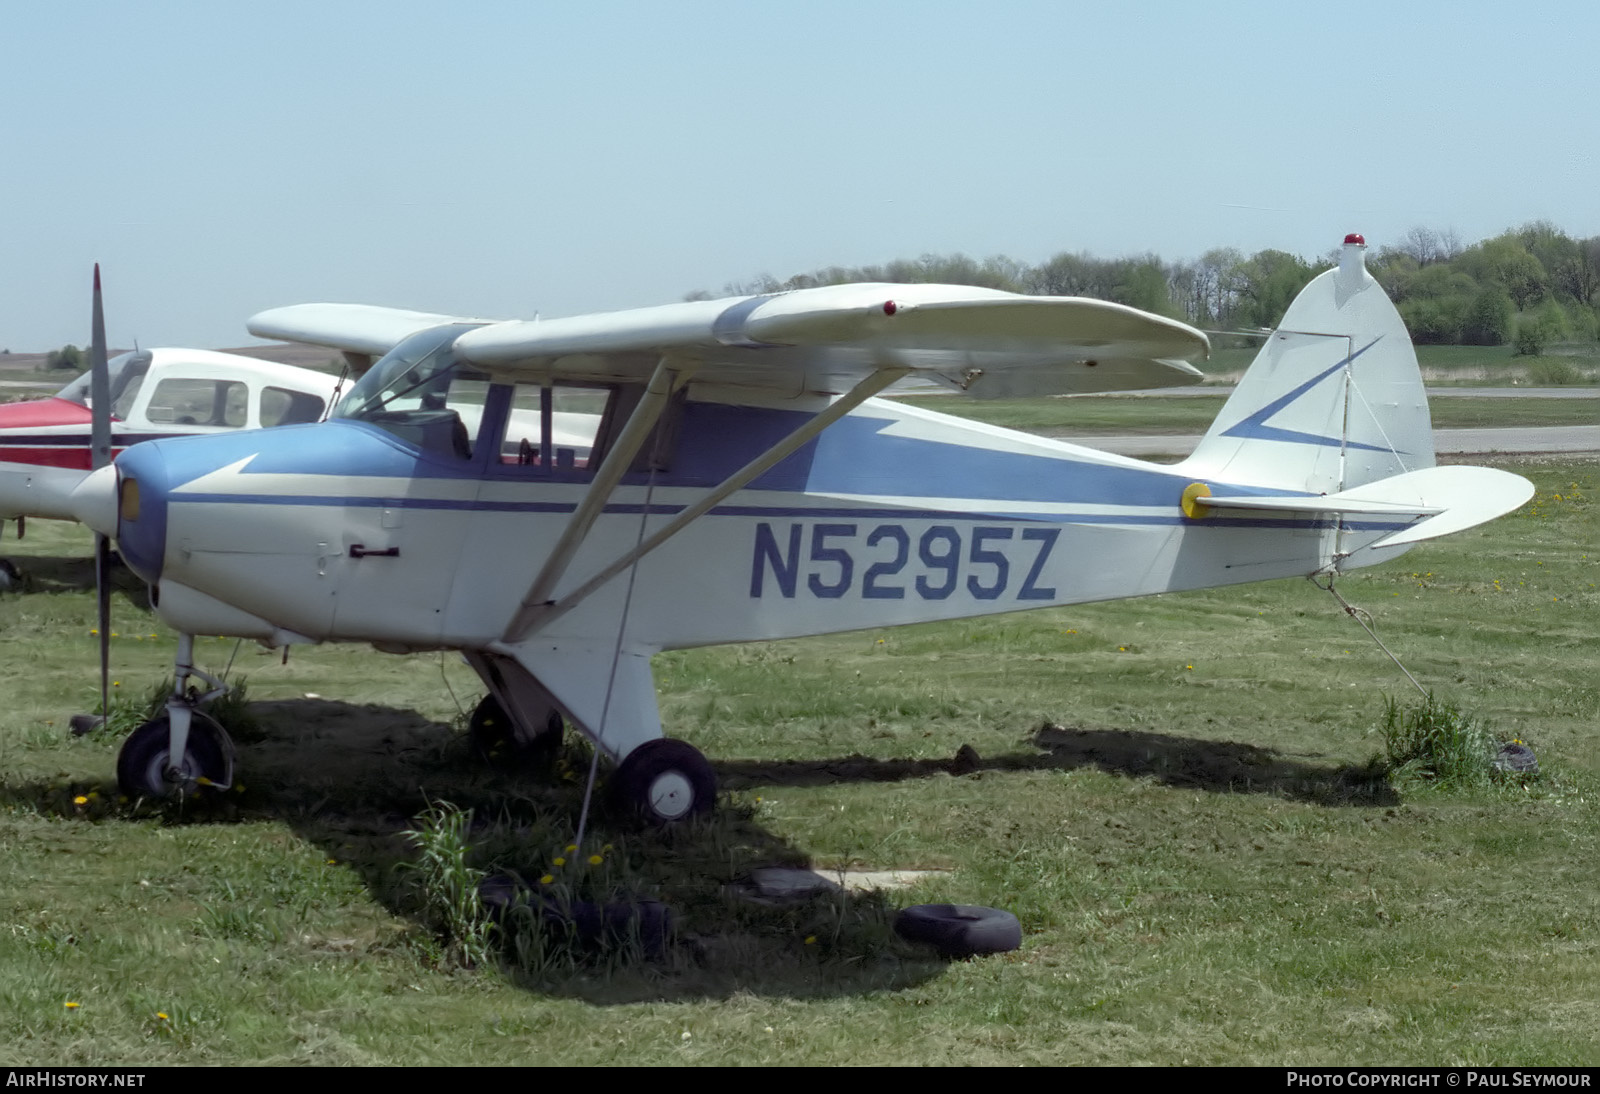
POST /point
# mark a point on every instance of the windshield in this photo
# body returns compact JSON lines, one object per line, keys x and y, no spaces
{"x":415,"y":375}
{"x":420,"y":393}
{"x":127,"y":373}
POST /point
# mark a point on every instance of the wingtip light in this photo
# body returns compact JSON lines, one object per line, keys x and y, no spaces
{"x":890,"y":307}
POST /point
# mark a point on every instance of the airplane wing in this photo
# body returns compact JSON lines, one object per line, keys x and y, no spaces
{"x":363,"y":329}
{"x":981,"y":341}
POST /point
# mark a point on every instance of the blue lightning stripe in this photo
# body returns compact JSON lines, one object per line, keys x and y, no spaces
{"x":1255,"y":425}
{"x":793,"y":511}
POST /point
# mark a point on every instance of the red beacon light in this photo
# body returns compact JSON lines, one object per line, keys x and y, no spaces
{"x":1356,"y":237}
{"x":890,"y":307}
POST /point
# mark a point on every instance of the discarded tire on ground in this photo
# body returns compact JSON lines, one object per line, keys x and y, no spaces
{"x":960,"y":930}
{"x":1516,"y":758}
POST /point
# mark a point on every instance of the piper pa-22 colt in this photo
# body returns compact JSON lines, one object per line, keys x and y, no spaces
{"x":45,"y":444}
{"x":732,"y":478}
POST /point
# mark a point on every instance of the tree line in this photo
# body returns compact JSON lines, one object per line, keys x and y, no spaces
{"x":1529,"y":286}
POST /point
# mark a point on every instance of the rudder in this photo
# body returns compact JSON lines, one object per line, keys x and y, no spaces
{"x":1333,"y":401}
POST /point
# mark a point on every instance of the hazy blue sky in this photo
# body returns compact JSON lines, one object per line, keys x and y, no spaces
{"x":503,"y":159}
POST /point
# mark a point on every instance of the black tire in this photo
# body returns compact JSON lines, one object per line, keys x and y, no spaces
{"x":665,"y":781}
{"x":960,"y":930}
{"x":495,"y":739}
{"x":142,"y":763}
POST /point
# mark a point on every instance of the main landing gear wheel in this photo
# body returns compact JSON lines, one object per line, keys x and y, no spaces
{"x":142,"y":764}
{"x":665,"y":781}
{"x":495,"y":738}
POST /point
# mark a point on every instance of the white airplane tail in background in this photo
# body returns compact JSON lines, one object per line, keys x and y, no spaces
{"x":1334,"y":407}
{"x":1334,"y":400}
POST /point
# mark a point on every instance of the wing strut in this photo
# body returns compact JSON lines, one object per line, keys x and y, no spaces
{"x":537,"y":613}
{"x":616,"y":461}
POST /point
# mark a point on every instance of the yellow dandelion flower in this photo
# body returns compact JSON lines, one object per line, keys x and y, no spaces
{"x":596,"y":860}
{"x":811,"y":940}
{"x":558,"y":861}
{"x":547,"y":879}
{"x":80,"y":800}
{"x":72,"y":1006}
{"x":162,"y":1015}
{"x":571,"y":847}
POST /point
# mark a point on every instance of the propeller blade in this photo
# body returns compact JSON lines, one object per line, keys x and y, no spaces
{"x":99,"y":456}
{"x":99,"y":386}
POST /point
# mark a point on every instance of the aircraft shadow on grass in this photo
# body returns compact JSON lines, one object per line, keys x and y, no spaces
{"x":1191,"y":763}
{"x":353,"y":779}
{"x":46,"y":574}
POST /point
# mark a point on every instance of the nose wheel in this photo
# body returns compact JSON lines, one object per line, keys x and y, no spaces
{"x":174,"y":759}
{"x":145,"y":768}
{"x":665,"y":782}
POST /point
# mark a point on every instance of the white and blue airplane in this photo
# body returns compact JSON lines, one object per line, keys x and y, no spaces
{"x":561,"y":500}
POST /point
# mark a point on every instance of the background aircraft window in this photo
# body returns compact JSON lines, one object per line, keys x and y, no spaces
{"x":126,"y":372}
{"x":280,"y":406}
{"x":122,"y":404}
{"x":223,"y":403}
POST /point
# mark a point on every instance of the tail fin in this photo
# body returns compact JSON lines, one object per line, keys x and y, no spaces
{"x":1333,"y":401}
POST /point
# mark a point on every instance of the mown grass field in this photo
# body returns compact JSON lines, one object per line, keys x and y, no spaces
{"x":1173,"y":794}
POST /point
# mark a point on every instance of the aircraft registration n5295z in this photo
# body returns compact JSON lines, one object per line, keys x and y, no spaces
{"x":560,"y":500}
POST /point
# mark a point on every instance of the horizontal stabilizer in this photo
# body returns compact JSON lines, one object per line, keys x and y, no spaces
{"x":1451,"y":498}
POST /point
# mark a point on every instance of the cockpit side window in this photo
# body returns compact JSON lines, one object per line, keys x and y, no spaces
{"x":280,"y":406}
{"x":554,"y":427}
{"x":564,"y":427}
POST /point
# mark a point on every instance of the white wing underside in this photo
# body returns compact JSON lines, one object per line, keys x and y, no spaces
{"x":981,"y":341}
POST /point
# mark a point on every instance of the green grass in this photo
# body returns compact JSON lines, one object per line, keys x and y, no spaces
{"x":1183,"y":798}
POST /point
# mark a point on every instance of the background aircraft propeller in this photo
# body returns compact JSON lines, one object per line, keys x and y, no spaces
{"x":100,"y":456}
